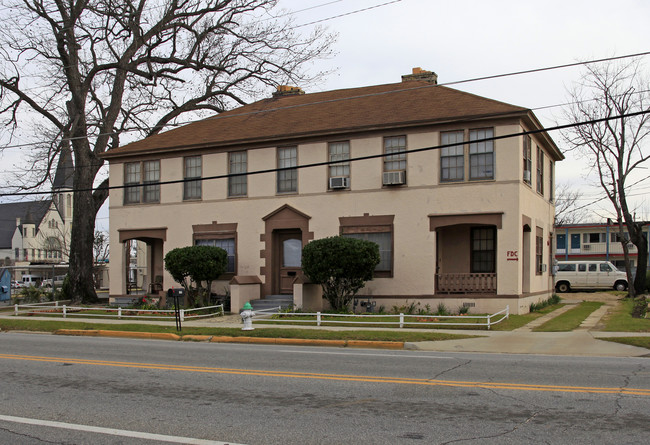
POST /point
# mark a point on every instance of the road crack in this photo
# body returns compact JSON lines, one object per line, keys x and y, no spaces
{"x":441,"y":373}
{"x":29,"y":436}
{"x":493,"y":436}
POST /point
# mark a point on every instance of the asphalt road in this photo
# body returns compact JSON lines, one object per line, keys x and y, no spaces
{"x":85,"y":390}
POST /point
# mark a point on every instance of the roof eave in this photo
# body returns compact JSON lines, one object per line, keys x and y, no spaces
{"x":281,"y":139}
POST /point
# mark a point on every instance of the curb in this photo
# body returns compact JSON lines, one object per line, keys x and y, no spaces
{"x":119,"y":334}
{"x":224,"y":339}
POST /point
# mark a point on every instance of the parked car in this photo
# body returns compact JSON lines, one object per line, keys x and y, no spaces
{"x":57,"y":281}
{"x":15,"y":284}
{"x":589,"y":275}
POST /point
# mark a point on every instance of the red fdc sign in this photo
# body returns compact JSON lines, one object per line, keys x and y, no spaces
{"x":512,"y":255}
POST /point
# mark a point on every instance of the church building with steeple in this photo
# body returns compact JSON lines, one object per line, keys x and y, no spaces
{"x":38,"y":232}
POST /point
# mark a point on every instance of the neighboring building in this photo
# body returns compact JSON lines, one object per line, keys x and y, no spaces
{"x":468,"y":224}
{"x":38,"y":232}
{"x":594,"y":241}
{"x":5,"y":284}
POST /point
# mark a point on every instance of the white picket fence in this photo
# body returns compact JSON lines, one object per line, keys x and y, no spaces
{"x":321,"y":318}
{"x":53,"y":308}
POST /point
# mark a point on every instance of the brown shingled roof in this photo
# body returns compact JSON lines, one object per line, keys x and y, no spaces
{"x":329,"y":112}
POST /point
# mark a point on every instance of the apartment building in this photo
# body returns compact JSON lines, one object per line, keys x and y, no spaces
{"x":457,"y":196}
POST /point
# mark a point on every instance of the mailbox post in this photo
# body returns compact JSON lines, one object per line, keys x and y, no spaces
{"x":176,"y":294}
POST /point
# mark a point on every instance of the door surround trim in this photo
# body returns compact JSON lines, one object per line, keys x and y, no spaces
{"x":284,"y":218}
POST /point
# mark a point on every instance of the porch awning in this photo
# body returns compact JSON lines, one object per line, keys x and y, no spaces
{"x":143,"y":234}
{"x":492,"y":219}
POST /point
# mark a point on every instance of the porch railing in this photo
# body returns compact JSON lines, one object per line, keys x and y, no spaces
{"x":468,"y":283}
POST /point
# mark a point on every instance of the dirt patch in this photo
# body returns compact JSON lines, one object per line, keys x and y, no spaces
{"x":605,"y":297}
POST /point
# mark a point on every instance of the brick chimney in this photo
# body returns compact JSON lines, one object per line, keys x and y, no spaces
{"x":286,"y":90}
{"x":420,"y":74}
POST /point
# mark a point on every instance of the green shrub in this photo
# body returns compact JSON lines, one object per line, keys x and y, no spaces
{"x":196,"y":265}
{"x":408,"y":309}
{"x":65,"y":291}
{"x":29,"y":295}
{"x":553,"y":299}
{"x":442,"y":309}
{"x":341,"y":266}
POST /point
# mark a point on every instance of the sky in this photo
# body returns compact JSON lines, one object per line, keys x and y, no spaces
{"x":465,"y":39}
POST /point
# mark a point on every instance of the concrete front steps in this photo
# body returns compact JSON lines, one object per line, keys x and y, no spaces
{"x":272,"y":301}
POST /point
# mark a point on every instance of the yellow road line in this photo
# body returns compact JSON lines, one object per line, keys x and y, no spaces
{"x":341,"y":377}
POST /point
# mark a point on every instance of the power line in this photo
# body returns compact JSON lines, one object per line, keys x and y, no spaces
{"x":346,"y":14}
{"x":268,"y":110}
{"x":606,"y":197}
{"x":359,"y":158}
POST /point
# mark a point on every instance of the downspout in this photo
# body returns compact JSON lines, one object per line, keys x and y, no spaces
{"x":607,"y":240}
{"x":568,"y":243}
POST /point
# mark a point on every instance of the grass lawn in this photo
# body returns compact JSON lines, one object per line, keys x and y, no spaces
{"x":517,"y":321}
{"x":642,"y":342}
{"x":571,"y":319}
{"x":512,"y":322}
{"x":320,"y":334}
{"x":620,"y":320}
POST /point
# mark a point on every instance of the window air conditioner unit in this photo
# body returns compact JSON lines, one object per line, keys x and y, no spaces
{"x":586,"y":247}
{"x":339,"y":182}
{"x":527,"y":175}
{"x":394,"y":178}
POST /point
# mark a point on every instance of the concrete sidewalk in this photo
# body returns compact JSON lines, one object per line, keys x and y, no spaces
{"x":584,"y":341}
{"x":575,"y":343}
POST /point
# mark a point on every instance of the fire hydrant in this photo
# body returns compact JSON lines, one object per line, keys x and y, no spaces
{"x":247,"y":317}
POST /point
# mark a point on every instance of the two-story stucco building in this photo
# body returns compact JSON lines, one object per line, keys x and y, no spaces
{"x":458,"y":199}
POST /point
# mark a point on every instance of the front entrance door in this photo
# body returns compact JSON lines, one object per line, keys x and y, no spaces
{"x":289,"y":245}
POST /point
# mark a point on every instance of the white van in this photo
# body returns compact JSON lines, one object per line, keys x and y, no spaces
{"x":589,"y":275}
{"x":31,"y":280}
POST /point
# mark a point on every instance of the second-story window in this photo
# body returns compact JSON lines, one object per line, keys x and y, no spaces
{"x":540,"y":171}
{"x":145,"y":174}
{"x":395,"y":161}
{"x":452,"y":159}
{"x":193,"y":172}
{"x":481,"y":154}
{"x":528,"y":161}
{"x":131,"y":178}
{"x":287,"y":180}
{"x":339,"y":172}
{"x":395,"y":147}
{"x":238,"y":163}
{"x":151,"y":181}
{"x":551,"y":185}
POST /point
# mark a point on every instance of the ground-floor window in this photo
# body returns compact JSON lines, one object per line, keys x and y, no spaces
{"x":620,"y":264}
{"x":227,"y":244}
{"x":539,"y":250}
{"x":385,"y":243}
{"x":379,"y":230}
{"x":483,"y":250}
{"x":219,"y":235}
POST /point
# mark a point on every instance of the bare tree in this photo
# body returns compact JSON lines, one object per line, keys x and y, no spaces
{"x":85,"y":73}
{"x":568,"y":209}
{"x":100,"y":255}
{"x":100,"y":247}
{"x":615,"y":149}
